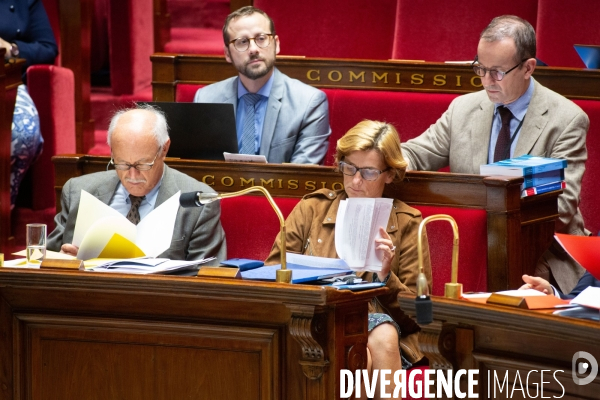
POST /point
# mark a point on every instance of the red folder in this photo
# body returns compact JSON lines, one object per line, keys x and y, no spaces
{"x":584,"y":249}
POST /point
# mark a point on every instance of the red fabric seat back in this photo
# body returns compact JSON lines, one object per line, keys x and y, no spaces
{"x":184,"y":92}
{"x":251,"y":225}
{"x":472,"y":247}
{"x":52,"y":89}
{"x":336,"y":28}
{"x":448,"y":30}
{"x":131,"y":44}
{"x":590,"y":189}
{"x":410,"y":112}
{"x":554,"y":41}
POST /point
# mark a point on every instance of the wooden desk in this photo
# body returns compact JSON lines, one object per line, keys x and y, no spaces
{"x":85,"y":335}
{"x":519,"y":230}
{"x":168,"y":70}
{"x":10,"y":79}
{"x":497,"y":338}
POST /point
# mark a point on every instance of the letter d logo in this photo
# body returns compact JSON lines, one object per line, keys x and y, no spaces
{"x":580,"y":367}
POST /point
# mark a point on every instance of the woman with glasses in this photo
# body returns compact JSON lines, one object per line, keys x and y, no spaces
{"x":369,"y":158}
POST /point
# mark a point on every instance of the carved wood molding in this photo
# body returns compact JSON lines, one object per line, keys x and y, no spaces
{"x":437,"y":341}
{"x":308,"y":329}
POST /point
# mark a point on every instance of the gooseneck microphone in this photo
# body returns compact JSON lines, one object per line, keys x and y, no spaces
{"x":423,"y":304}
{"x":197,"y":199}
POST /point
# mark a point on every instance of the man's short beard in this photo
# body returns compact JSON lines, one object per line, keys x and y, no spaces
{"x":255,"y":74}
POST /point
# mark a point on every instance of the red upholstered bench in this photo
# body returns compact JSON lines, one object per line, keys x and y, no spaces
{"x":251,"y":227}
{"x":410,"y":112}
{"x":52,"y":89}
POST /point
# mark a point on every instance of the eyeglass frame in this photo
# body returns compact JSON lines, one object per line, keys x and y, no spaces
{"x":119,"y":167}
{"x":485,"y":70}
{"x":357,"y":169}
{"x":249,"y":39}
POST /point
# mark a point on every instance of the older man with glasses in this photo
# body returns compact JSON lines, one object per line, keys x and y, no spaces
{"x":512,"y":116}
{"x":139,"y":142}
{"x":281,"y":118}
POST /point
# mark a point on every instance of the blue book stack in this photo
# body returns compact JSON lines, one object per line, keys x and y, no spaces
{"x":540,"y":174}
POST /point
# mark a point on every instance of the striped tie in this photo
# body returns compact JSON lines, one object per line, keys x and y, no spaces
{"x":248,"y":128}
{"x":134,"y":212}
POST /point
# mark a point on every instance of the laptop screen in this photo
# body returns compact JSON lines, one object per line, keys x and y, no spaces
{"x":200,"y":131}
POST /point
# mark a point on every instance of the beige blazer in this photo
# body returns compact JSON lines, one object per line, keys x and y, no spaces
{"x":554,"y":127}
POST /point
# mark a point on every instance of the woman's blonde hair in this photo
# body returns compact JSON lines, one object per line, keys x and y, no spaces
{"x":374,"y":135}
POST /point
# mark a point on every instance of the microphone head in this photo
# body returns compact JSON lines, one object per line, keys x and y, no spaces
{"x":424,"y":309}
{"x":189,"y":199}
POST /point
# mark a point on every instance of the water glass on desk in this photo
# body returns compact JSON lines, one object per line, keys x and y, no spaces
{"x":36,"y":244}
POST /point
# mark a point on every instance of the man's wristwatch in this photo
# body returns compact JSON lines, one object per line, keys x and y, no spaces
{"x":14,"y":50}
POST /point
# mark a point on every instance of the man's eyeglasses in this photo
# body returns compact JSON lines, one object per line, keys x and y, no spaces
{"x":138,"y":166}
{"x":368,"y":174}
{"x":494,"y":73}
{"x":241,"y":44}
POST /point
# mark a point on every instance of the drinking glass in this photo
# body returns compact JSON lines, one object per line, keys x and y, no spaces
{"x":36,"y":244}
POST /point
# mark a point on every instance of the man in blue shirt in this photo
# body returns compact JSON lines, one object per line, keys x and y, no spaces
{"x":281,"y":118}
{"x":512,"y":116}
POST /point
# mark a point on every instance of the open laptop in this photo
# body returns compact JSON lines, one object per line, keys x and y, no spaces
{"x":199,"y":130}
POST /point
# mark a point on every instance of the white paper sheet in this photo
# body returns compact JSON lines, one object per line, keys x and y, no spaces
{"x":590,"y":297}
{"x":97,"y":223}
{"x":236,"y":157}
{"x":360,"y":220}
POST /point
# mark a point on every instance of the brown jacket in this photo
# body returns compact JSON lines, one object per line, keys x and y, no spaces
{"x":310,"y":230}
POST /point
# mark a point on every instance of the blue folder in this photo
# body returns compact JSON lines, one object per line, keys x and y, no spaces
{"x":300,"y":273}
{"x":589,"y":54}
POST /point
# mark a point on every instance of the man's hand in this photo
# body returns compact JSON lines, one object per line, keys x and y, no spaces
{"x":69,"y":249}
{"x":539,"y":284}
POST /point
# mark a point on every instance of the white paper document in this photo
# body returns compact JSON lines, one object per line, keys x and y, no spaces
{"x":101,"y":231}
{"x":590,"y":297}
{"x":357,"y":226}
{"x":237,"y":157}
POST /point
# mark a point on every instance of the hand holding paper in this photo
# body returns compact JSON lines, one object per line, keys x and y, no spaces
{"x":101,"y":231}
{"x":357,"y":226}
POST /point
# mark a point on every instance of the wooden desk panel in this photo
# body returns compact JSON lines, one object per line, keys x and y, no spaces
{"x":519,"y":230}
{"x":84,"y":335}
{"x":168,"y":70}
{"x":499,"y":339}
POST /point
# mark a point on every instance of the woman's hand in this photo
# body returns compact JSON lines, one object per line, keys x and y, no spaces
{"x":386,"y":246}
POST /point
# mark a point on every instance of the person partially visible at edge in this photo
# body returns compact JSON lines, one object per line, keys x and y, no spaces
{"x":25,"y":32}
{"x":139,"y":142}
{"x":369,"y":158}
{"x":541,"y":123}
{"x":542,"y":285}
{"x":279,"y":117}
